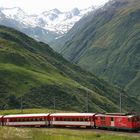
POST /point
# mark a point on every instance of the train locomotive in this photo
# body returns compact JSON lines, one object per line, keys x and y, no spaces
{"x":113,"y":121}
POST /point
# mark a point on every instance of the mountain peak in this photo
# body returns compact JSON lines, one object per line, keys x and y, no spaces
{"x":75,"y":11}
{"x":55,"y":10}
{"x":14,"y":12}
{"x":13,"y":8}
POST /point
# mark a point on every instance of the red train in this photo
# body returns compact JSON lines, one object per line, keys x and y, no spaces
{"x":114,"y":121}
{"x":37,"y":120}
{"x":118,"y":121}
{"x":72,"y":119}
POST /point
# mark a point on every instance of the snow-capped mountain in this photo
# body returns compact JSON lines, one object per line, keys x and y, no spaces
{"x":53,"y":22}
{"x":61,"y":22}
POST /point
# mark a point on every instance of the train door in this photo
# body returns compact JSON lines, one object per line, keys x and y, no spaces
{"x":46,"y":121}
{"x":112,"y":122}
{"x":135,"y":122}
{"x":92,"y":119}
{"x":53,"y":120}
{"x":103,"y":121}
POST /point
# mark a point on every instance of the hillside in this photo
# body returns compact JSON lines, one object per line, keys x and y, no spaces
{"x":33,"y":72}
{"x":107,"y":44}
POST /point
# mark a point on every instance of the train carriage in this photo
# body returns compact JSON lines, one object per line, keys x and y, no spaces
{"x":1,"y":118}
{"x":122,"y":122}
{"x":36,"y":120}
{"x":72,"y":119}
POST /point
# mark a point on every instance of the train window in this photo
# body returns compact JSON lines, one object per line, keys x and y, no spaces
{"x":86,"y":119}
{"x":133,"y":119}
{"x":68,"y":119}
{"x":65,"y":119}
{"x":81,"y":119}
{"x":112,"y":119}
{"x":96,"y":118}
{"x":61,"y":118}
{"x":56,"y":119}
{"x":102,"y":118}
{"x":77,"y":119}
{"x":73,"y":119}
{"x":10,"y":120}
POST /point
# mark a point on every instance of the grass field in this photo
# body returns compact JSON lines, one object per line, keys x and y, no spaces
{"x":9,"y":133}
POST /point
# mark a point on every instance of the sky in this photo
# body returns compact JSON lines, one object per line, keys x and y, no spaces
{"x":38,"y":6}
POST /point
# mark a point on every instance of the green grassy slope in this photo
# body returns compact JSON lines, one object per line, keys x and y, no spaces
{"x":107,"y":43}
{"x":33,"y":72}
{"x":10,"y":133}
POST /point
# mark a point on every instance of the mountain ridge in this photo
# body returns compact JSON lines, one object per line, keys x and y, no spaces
{"x":107,"y":44}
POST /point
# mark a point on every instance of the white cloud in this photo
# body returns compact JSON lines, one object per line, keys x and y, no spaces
{"x":37,"y":6}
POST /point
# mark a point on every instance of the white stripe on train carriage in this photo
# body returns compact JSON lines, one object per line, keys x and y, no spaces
{"x":72,"y":114}
{"x":71,"y":123}
{"x":26,"y":115}
{"x":27,"y":123}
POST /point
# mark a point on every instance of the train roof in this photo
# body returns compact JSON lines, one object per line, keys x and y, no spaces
{"x":1,"y":116}
{"x":108,"y":115}
{"x":72,"y":114}
{"x":27,"y":115}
